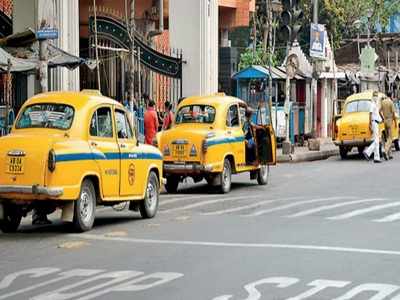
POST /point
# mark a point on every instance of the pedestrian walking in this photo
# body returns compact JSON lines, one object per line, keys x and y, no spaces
{"x":168,"y":117}
{"x":150,"y":123}
{"x":374,"y":120}
{"x":389,"y":115}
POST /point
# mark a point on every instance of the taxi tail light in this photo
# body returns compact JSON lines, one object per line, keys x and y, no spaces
{"x":336,"y":129}
{"x":166,"y":151}
{"x":193,"y":151}
{"x":51,"y":161}
{"x":204,"y":146}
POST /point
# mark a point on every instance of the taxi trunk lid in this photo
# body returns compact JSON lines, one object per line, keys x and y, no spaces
{"x":24,"y":159}
{"x":183,"y":143}
{"x":355,"y":126}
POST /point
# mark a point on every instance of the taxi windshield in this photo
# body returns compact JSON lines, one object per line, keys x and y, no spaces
{"x":195,"y":114}
{"x":46,"y":115}
{"x":362,"y":105}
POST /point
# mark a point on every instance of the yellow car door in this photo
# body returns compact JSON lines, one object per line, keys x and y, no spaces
{"x":131,"y":169}
{"x":105,"y":151}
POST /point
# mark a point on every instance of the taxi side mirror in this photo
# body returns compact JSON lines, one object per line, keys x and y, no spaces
{"x":137,"y":143}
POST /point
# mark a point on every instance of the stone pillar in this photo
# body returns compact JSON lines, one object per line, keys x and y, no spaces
{"x":324,"y":109}
{"x":199,"y":41}
{"x":308,"y":109}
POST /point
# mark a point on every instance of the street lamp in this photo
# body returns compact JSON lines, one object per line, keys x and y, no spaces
{"x":357,"y":25}
{"x":370,"y":13}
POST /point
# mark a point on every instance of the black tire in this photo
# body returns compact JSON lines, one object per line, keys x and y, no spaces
{"x":85,"y":207}
{"x":149,"y":205}
{"x":397,"y":145}
{"x":12,"y":219}
{"x":263,"y":175}
{"x":172,"y":184}
{"x":360,"y":150}
{"x":226,"y":177}
{"x":343,"y":152}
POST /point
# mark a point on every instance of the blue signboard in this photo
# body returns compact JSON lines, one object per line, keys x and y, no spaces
{"x":47,"y":34}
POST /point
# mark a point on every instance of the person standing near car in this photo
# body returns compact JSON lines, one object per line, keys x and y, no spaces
{"x":388,"y":113}
{"x":168,"y":117}
{"x":150,"y":123}
{"x":374,"y":119}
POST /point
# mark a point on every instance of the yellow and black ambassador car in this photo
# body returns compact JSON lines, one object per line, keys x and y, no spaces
{"x":208,"y":141}
{"x":74,"y":151}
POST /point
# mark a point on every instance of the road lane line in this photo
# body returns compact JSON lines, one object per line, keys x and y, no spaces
{"x":244,"y":207}
{"x":236,"y":245}
{"x":327,"y":207}
{"x":364,"y":211}
{"x":283,"y":207}
{"x":191,"y":197}
{"x":389,"y":218}
{"x":203,"y":203}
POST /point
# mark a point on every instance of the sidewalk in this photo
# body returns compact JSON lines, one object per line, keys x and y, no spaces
{"x":302,"y":154}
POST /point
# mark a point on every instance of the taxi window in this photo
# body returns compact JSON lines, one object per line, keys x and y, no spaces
{"x":195,"y":114}
{"x":101,"y":123}
{"x":232,"y":119}
{"x":124,"y":130}
{"x":358,"y":106}
{"x":46,"y":115}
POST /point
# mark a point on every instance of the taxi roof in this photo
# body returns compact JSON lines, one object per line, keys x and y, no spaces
{"x":76,"y":99}
{"x":367,"y":95}
{"x":214,"y":100}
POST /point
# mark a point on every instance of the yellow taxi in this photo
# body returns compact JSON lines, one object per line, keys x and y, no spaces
{"x":207,"y":141}
{"x":352,"y":126}
{"x":74,"y":151}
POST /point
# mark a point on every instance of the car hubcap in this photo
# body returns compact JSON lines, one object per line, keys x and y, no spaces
{"x":86,"y":207}
{"x":264,"y":172}
{"x":225,"y":177}
{"x":151,"y":196}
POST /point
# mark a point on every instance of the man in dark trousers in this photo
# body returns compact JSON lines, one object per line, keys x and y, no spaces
{"x":389,"y":115}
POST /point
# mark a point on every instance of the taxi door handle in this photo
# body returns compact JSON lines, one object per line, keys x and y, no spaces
{"x":229,"y":132}
{"x":122,"y":146}
{"x":94,"y":144}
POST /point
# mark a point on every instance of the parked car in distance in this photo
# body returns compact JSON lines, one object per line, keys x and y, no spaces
{"x":75,"y":151}
{"x":352,"y":128}
{"x":207,"y":141}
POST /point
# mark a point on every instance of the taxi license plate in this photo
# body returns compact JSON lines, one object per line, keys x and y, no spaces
{"x":15,"y":165}
{"x":179,"y":150}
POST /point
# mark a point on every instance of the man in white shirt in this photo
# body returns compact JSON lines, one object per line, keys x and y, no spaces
{"x":374,"y":119}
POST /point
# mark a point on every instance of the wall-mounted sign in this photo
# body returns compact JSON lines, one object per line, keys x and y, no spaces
{"x":317,"y":41}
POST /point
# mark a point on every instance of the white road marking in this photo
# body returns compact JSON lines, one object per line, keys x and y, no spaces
{"x":60,"y":277}
{"x":34,"y":273}
{"x":236,"y":245}
{"x":363,"y":211}
{"x":382,"y":291}
{"x":139,"y":284}
{"x":254,"y":294}
{"x":318,"y":286}
{"x":332,"y":206}
{"x":107,"y":279}
{"x":203,"y":203}
{"x":191,"y":197}
{"x":283,"y":207}
{"x":244,"y":207}
{"x":389,"y":218}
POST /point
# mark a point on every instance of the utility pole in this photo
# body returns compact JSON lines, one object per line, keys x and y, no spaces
{"x":132,"y":55}
{"x":96,"y":46}
{"x":314,"y":80}
{"x":43,"y":65}
{"x":271,"y":52}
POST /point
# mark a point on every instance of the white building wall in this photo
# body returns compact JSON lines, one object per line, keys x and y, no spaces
{"x":193,"y":27}
{"x":66,"y":16}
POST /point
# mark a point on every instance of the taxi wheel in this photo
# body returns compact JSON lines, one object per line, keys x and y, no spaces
{"x":172,"y":185}
{"x":85,"y":207}
{"x":263,"y":175}
{"x":343,"y":150}
{"x":149,"y":205}
{"x":397,"y":145}
{"x":11,"y":221}
{"x":226,"y":177}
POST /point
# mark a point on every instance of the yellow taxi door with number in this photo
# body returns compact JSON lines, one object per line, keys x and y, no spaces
{"x":105,"y":150}
{"x":131,"y":169}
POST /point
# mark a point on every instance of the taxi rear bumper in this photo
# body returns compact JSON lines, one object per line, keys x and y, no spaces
{"x":31,"y":190}
{"x":186,"y":168}
{"x":354,"y":143}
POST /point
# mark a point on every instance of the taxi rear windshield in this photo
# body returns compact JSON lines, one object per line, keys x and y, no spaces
{"x":358,"y":106}
{"x":195,"y":114}
{"x":46,"y":115}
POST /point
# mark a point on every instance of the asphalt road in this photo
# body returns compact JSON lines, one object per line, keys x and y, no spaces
{"x":320,"y":230}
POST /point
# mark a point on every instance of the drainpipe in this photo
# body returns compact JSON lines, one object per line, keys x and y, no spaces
{"x":161,"y":21}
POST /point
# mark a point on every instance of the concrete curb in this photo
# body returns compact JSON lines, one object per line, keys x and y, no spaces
{"x":307,"y":156}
